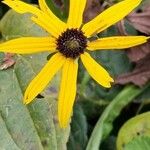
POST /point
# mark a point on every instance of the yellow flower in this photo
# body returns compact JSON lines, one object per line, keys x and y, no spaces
{"x":70,"y":41}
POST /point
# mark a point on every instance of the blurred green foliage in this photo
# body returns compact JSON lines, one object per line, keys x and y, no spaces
{"x":96,"y":111}
{"x":135,"y":133}
{"x":33,"y":126}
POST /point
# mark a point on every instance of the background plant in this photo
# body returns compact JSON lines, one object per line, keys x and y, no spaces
{"x":98,"y":114}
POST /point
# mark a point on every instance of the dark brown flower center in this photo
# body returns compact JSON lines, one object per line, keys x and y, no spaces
{"x":72,"y":43}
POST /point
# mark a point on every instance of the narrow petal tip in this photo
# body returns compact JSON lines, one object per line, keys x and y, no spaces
{"x":148,"y":38}
{"x":26,"y":101}
{"x":4,"y":2}
{"x":108,"y":83}
{"x":111,"y":79}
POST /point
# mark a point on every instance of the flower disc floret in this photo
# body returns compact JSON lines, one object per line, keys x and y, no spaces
{"x":72,"y":43}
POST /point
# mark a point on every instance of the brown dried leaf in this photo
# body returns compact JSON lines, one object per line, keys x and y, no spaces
{"x":139,"y":52}
{"x":93,"y":8}
{"x":141,"y":56}
{"x":8,"y":61}
{"x":140,"y":75}
{"x":141,"y":20}
{"x":121,"y":27}
{"x":135,"y":53}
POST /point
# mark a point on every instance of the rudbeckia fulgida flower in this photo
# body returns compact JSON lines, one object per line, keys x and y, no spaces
{"x":69,"y":41}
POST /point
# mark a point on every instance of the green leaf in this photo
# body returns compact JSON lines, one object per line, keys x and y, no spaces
{"x":78,"y":136}
{"x":139,"y":143}
{"x":43,"y":112}
{"x":5,"y":137}
{"x":136,"y":126}
{"x":14,"y":25}
{"x":34,"y":126}
{"x":104,"y":124}
{"x":15,"y":115}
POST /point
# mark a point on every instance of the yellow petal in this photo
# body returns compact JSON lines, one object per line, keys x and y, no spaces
{"x":67,"y":92}
{"x":56,"y":21}
{"x":21,"y":7}
{"x":98,"y":73}
{"x":76,"y":13}
{"x":110,"y":16}
{"x":27,"y":45}
{"x":117,"y":42}
{"x":44,"y":77}
{"x":50,"y":23}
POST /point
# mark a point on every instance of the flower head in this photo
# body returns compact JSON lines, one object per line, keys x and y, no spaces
{"x":70,"y":41}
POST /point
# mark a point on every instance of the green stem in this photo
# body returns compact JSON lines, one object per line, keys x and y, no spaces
{"x":104,"y":124}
